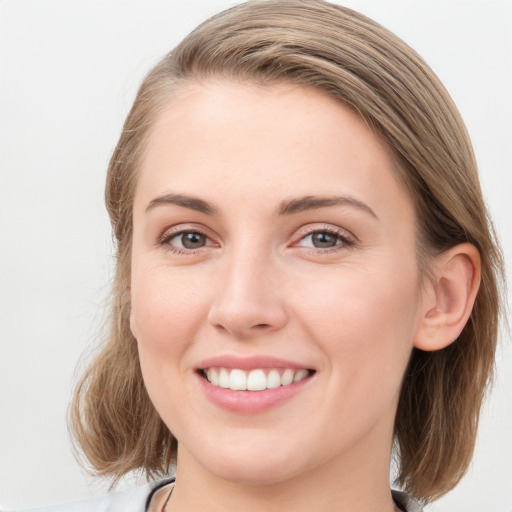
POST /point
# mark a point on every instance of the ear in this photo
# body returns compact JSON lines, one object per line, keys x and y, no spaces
{"x":448,"y":299}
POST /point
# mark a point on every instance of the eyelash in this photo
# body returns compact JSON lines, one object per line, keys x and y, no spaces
{"x":166,"y":238}
{"x":345,"y":241}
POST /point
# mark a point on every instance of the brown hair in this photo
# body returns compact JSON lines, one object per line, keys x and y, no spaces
{"x":367,"y":68}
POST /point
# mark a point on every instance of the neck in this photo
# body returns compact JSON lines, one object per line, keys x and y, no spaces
{"x":357,"y":481}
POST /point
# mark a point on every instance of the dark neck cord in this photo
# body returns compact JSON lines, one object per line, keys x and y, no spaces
{"x":167,"y":500}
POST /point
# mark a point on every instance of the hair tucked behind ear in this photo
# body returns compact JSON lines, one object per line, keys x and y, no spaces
{"x":364,"y":66}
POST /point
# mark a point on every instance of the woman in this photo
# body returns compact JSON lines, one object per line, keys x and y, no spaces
{"x":305,"y":278}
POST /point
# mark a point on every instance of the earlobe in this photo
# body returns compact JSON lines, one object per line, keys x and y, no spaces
{"x":450,"y":298}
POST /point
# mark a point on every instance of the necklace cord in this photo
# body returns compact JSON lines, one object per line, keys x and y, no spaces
{"x":164,"y":506}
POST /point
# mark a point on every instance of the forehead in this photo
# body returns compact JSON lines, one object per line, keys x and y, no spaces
{"x":276,"y":141}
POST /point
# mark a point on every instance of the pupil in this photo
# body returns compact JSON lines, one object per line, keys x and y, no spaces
{"x":193,"y":240}
{"x":323,"y":240}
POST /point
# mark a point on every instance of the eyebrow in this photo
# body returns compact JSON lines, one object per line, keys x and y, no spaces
{"x":306,"y":203}
{"x":193,"y":203}
{"x":288,"y":207}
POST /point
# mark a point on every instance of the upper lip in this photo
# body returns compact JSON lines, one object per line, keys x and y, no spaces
{"x":249,"y":362}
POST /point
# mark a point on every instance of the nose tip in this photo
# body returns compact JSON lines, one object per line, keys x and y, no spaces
{"x":248,"y":304}
{"x":247,"y":319}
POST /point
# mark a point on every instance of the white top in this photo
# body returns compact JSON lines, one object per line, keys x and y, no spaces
{"x":134,"y":500}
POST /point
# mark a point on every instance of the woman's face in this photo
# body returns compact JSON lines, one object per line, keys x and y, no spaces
{"x":272,"y":243}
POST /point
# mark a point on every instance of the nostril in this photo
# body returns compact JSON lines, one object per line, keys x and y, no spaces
{"x":261,"y":326}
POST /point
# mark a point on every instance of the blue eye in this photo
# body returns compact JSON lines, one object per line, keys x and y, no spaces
{"x":324,"y":239}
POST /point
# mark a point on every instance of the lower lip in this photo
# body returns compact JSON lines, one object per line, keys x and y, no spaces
{"x":250,"y":402}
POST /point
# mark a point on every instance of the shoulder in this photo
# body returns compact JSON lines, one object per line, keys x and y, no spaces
{"x":133,"y":500}
{"x":405,"y":502}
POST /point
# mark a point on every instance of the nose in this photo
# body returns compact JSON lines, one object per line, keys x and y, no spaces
{"x":248,"y":302}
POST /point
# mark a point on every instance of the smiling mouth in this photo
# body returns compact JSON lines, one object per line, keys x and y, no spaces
{"x":254,"y":380}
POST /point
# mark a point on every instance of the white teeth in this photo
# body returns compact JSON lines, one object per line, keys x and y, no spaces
{"x":213,"y":376}
{"x":237,"y":380}
{"x":287,"y":377}
{"x":224,"y":378}
{"x":273,"y":379}
{"x":299,"y":375}
{"x":255,"y":380}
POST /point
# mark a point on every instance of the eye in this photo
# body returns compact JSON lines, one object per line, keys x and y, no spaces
{"x":325,"y":239}
{"x":322,"y":240}
{"x":189,"y":240}
{"x":184,"y":241}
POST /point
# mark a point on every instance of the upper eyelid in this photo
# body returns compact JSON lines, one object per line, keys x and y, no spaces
{"x":180,"y":228}
{"x":341,"y":242}
{"x":319,"y":228}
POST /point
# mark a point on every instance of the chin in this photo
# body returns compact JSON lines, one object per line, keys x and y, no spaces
{"x":254,"y":474}
{"x":251,"y":465}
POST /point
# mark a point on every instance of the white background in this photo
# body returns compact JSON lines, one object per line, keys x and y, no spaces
{"x":68,"y":74}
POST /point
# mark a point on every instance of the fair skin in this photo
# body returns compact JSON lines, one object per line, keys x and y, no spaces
{"x":232,"y":261}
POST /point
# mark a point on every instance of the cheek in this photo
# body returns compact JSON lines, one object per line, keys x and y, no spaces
{"x":364,"y":318}
{"x":167,"y":310}
{"x":167,"y":313}
{"x":364,"y":324}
